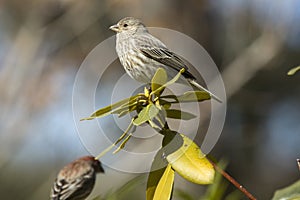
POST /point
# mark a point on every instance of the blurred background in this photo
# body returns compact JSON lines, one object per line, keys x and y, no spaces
{"x":42,"y":44}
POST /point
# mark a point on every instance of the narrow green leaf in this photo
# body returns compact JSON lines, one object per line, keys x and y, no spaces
{"x":291,"y":192}
{"x":161,"y":118}
{"x":164,"y":188}
{"x":158,"y":168}
{"x":190,"y":96}
{"x":142,"y":116}
{"x":173,"y":80}
{"x":122,"y":145}
{"x":178,"y":114}
{"x":121,"y":109}
{"x":166,"y":105}
{"x":293,"y":71}
{"x":107,"y":110}
{"x":171,"y":96}
{"x":129,"y":110}
{"x":115,"y":143}
{"x":153,"y":125}
{"x":160,"y":78}
{"x":153,"y":111}
{"x":147,"y":113}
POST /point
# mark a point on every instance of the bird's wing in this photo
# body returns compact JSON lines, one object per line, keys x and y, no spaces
{"x":166,"y":57}
{"x":63,"y":189}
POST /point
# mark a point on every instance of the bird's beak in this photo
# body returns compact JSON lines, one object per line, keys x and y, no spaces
{"x":114,"y":28}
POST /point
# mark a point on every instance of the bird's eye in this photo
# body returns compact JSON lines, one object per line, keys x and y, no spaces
{"x":125,"y":25}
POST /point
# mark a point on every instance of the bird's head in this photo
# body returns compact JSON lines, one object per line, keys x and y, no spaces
{"x":98,"y":167}
{"x":96,"y":164}
{"x":128,"y":25}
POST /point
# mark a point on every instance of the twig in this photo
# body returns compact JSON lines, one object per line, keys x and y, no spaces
{"x":233,"y":181}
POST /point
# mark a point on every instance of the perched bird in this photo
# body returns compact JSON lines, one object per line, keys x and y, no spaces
{"x":76,"y":180}
{"x":141,"y":54}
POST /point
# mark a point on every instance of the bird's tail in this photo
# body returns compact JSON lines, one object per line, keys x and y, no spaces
{"x":197,"y":85}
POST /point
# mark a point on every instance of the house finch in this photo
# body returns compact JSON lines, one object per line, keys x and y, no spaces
{"x":141,"y":54}
{"x":76,"y":180}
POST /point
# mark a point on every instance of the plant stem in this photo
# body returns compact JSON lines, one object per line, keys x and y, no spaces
{"x":233,"y":181}
{"x":114,"y":144}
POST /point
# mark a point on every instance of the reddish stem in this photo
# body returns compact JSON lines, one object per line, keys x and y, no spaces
{"x":233,"y":181}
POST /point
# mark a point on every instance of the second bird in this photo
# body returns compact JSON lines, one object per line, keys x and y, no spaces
{"x":141,"y":54}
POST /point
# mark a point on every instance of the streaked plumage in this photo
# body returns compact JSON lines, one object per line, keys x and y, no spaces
{"x":141,"y":54}
{"x":76,"y":180}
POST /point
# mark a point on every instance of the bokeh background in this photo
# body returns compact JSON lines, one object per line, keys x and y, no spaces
{"x":42,"y":44}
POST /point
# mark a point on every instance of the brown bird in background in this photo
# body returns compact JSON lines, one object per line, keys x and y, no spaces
{"x":141,"y":54}
{"x":76,"y":180}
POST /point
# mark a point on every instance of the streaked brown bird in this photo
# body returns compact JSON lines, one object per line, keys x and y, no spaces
{"x":76,"y":180}
{"x":141,"y":54}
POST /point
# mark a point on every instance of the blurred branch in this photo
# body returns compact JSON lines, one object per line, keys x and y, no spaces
{"x":250,"y":61}
{"x":233,"y":181}
{"x":21,"y":62}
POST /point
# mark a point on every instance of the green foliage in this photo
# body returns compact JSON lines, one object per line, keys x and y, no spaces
{"x":147,"y":114}
{"x":157,"y":170}
{"x":178,"y":114}
{"x":293,"y":71}
{"x":123,"y":191}
{"x":190,"y":96}
{"x":190,"y":163}
{"x":159,"y":79}
{"x":116,"y":108}
{"x":178,"y":153}
{"x":165,"y":185}
{"x":291,"y":192}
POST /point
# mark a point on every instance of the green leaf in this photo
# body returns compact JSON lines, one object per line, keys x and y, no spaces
{"x":178,"y":114}
{"x":108,"y":109}
{"x":166,"y":105}
{"x":293,"y":71}
{"x":122,"y":145}
{"x":129,"y":110}
{"x":173,"y":80}
{"x":165,"y":185}
{"x":182,"y":194}
{"x":124,"y":108}
{"x":158,"y":168}
{"x":172,"y":141}
{"x":291,"y":192}
{"x":115,"y":143}
{"x":190,"y":96}
{"x":153,"y":125}
{"x":160,"y":78}
{"x":190,"y":163}
{"x":146,"y":114}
